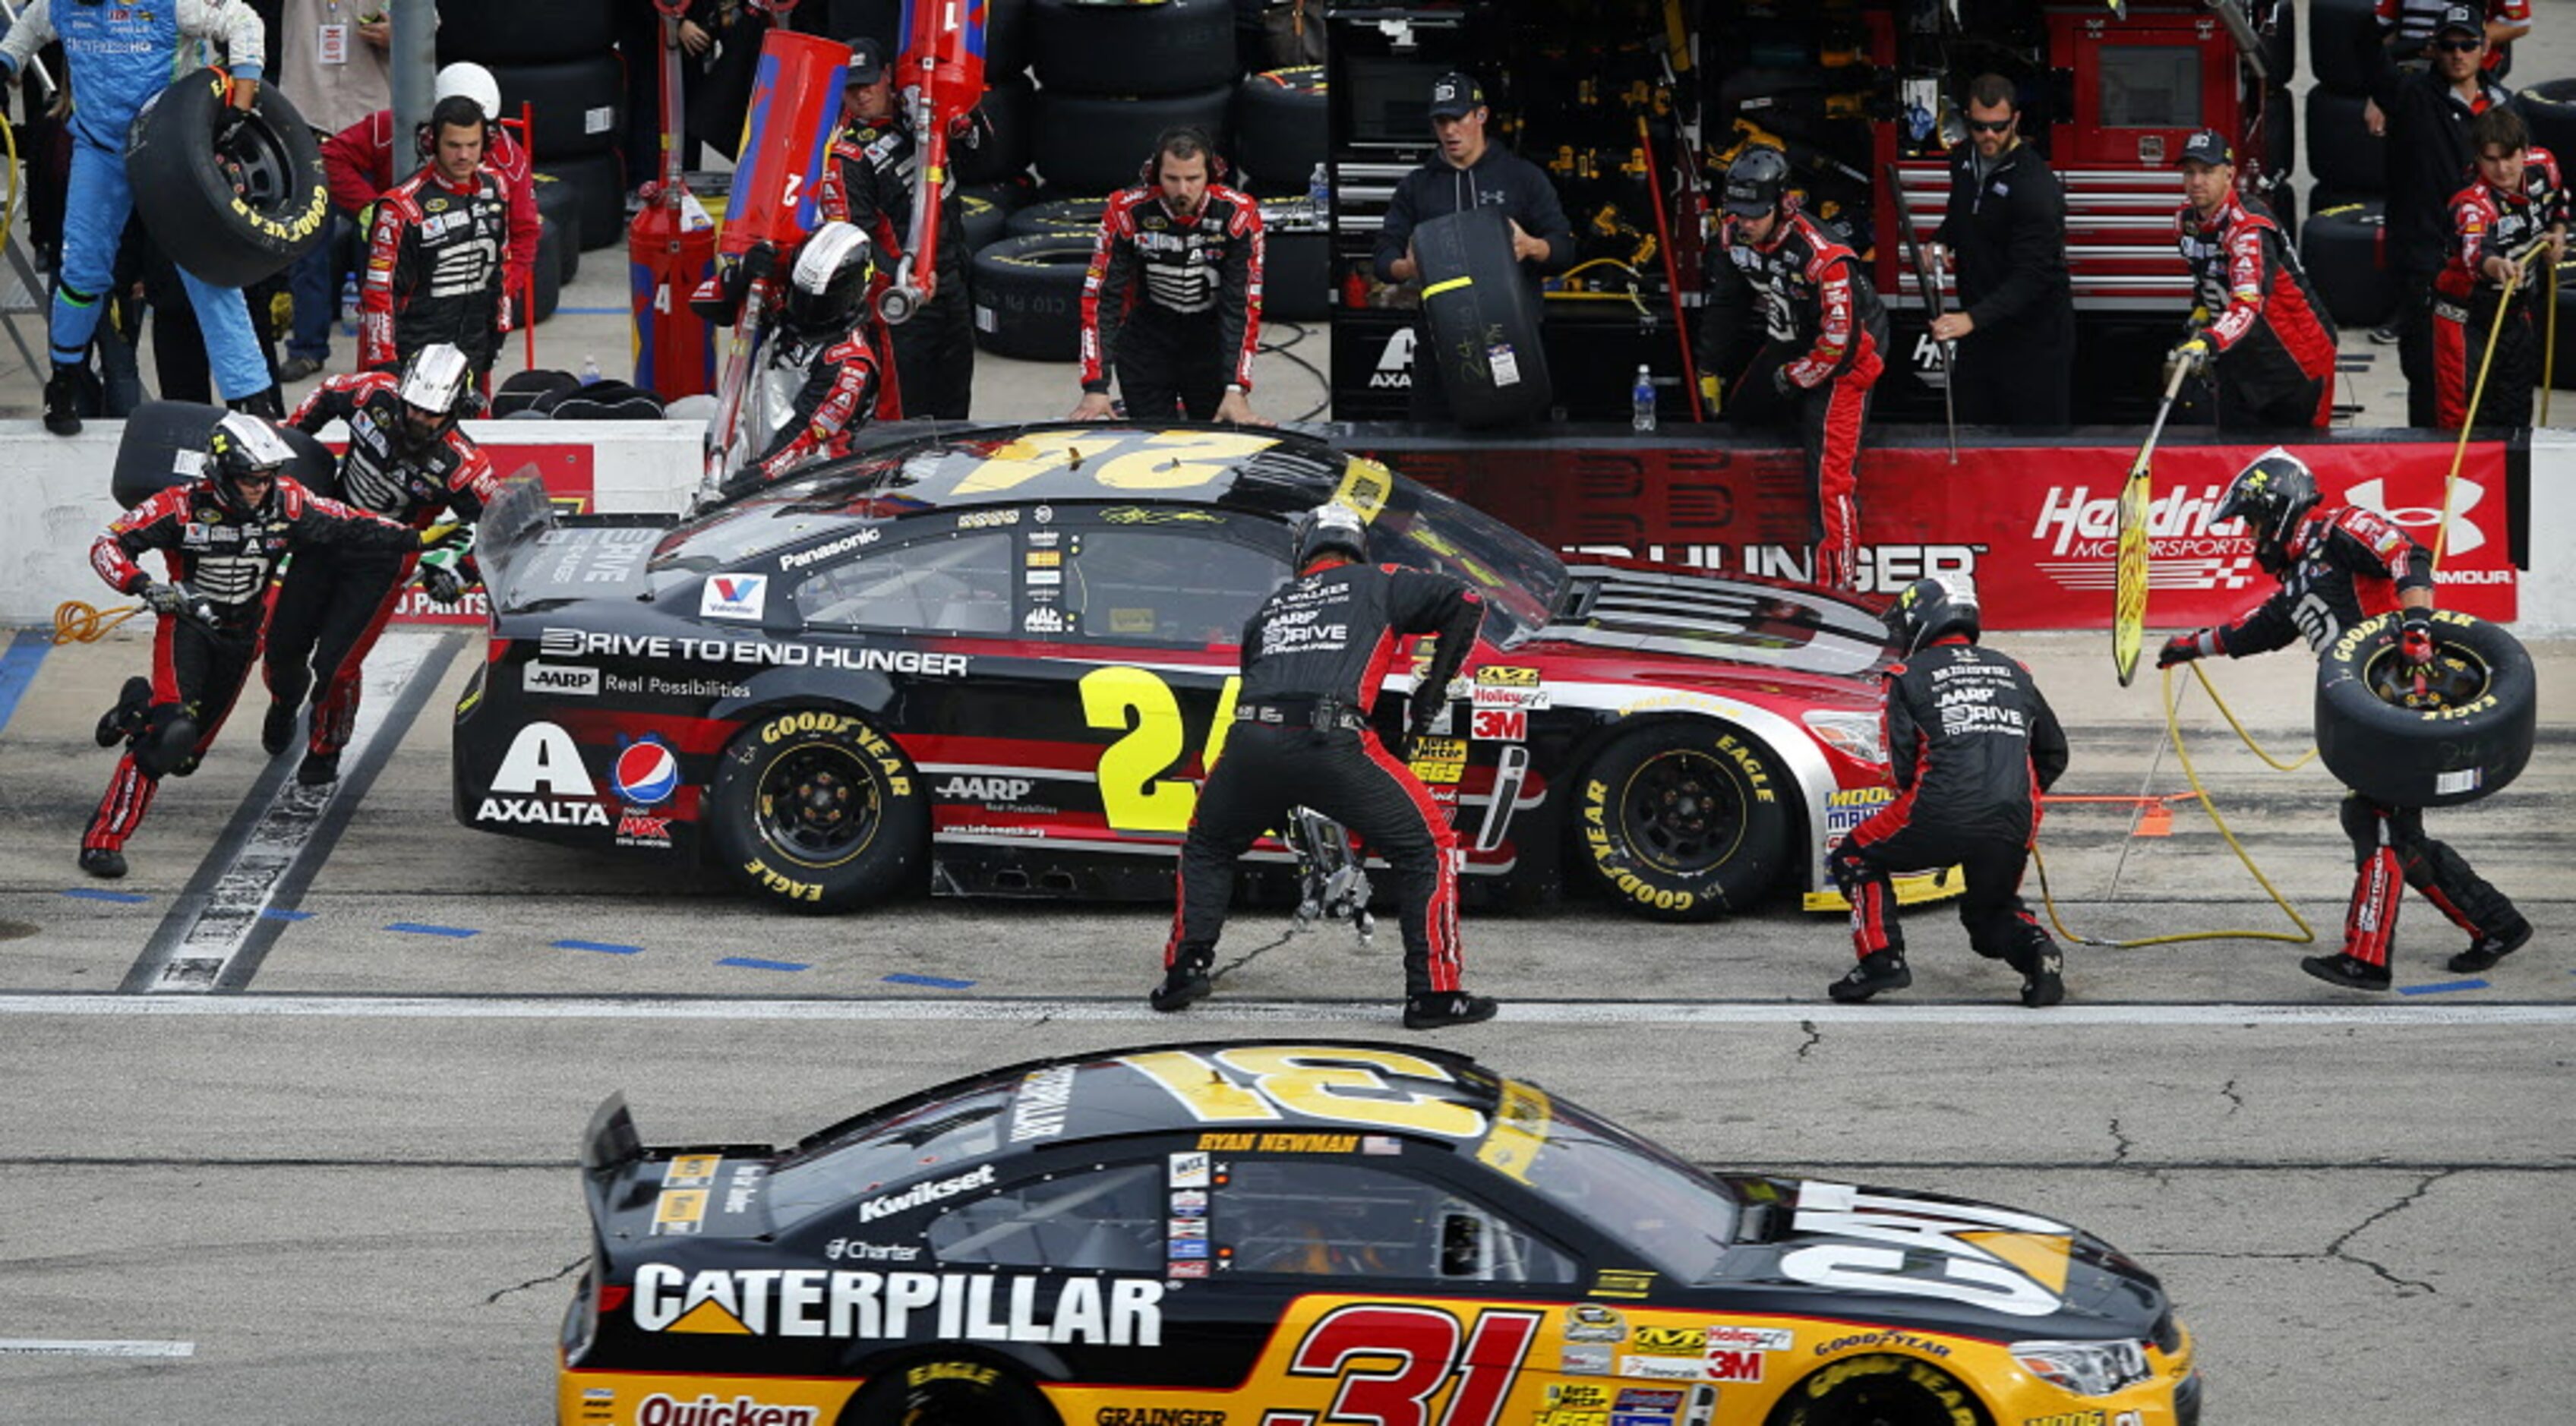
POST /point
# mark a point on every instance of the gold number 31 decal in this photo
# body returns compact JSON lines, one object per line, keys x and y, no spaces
{"x":1135,"y":796}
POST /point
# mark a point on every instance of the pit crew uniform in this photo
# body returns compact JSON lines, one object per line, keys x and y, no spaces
{"x":1173,"y":306}
{"x":810,"y":395}
{"x":867,"y":183}
{"x":2274,"y":348}
{"x":119,"y":57}
{"x":2487,"y":222}
{"x":1823,"y":344}
{"x":434,"y":267}
{"x":358,"y":163}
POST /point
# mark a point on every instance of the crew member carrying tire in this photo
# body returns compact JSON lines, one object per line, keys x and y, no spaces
{"x":2515,"y":199}
{"x":2259,"y":334}
{"x":1796,"y":327}
{"x":823,"y":372}
{"x":1313,"y":655}
{"x":223,"y":535}
{"x":409,"y":463}
{"x":440,"y":247}
{"x":2340,"y":565}
{"x":1172,"y":301}
{"x":119,"y":58}
{"x":1973,"y":744}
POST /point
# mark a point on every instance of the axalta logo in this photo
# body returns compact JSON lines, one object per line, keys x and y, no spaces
{"x":1395,"y":363}
{"x":2465,"y":495}
{"x":661,"y":1409}
{"x":986,"y":789}
{"x":921,"y":1193}
{"x":2078,"y":514}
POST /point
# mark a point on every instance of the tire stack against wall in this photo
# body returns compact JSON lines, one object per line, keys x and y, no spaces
{"x":558,"y":58}
{"x":2342,"y":243}
{"x":1280,"y":139}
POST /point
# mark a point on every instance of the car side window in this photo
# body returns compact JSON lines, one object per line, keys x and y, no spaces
{"x":1328,"y":1216}
{"x":1172,"y":585}
{"x":952,"y":583}
{"x":1107,"y":1219}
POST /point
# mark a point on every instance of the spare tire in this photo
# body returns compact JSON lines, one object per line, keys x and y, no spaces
{"x":1280,"y":130}
{"x":1084,"y":47}
{"x":1484,"y":320}
{"x":1057,"y":217}
{"x":164,"y":444}
{"x":1096,"y":143}
{"x":2472,"y":742}
{"x":1006,"y":105}
{"x":546,"y":275}
{"x":2342,"y":249}
{"x":574,"y":105}
{"x":559,"y":203}
{"x":2339,"y":32}
{"x":2563,"y":376}
{"x":230,"y":212}
{"x":1028,"y":297}
{"x":2549,"y":110}
{"x":980,"y":220}
{"x":1006,"y":40}
{"x":498,"y":32}
{"x":2341,"y":151}
{"x":598,"y":182}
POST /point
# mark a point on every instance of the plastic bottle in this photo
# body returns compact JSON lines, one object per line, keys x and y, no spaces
{"x":1319,"y":192}
{"x":1642,"y":398}
{"x":589,"y":368}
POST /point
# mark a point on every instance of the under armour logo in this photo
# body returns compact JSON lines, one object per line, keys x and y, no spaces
{"x":2465,"y":534}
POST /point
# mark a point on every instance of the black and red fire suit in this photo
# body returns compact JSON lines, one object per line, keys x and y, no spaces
{"x":1313,"y":658}
{"x":2468,"y":304}
{"x":225,"y":560}
{"x":435,"y":262}
{"x":1796,"y":327}
{"x":2344,"y":565}
{"x":867,"y":183}
{"x":1972,"y":744}
{"x":333,"y":603}
{"x":2274,"y":346}
{"x":1172,"y":305}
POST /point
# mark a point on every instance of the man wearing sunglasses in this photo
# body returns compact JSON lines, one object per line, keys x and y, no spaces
{"x":2006,"y":232}
{"x":2429,"y":154}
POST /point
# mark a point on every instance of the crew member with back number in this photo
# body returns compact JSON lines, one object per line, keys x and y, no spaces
{"x":440,"y":249}
{"x":1314,"y":655}
{"x":2339,"y":566}
{"x":2259,"y":334}
{"x":2515,"y":199}
{"x":1972,"y":744}
{"x":2006,"y":229}
{"x":1172,"y":303}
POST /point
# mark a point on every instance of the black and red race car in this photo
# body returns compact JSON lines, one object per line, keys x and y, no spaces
{"x":998,"y":662}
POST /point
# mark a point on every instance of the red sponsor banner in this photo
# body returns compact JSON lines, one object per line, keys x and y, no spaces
{"x":564,"y":470}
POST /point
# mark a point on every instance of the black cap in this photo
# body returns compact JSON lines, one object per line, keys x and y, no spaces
{"x":2462,"y":18}
{"x":867,"y":62}
{"x":1455,"y":95}
{"x":2208,"y":146}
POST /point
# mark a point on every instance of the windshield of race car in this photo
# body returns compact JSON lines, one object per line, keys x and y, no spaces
{"x":1674,"y":1217}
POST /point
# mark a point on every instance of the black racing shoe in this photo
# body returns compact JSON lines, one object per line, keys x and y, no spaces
{"x":2388,"y":334}
{"x":2485,"y":951}
{"x":126,"y":718}
{"x":277,"y":730}
{"x":2042,"y":985}
{"x":102,"y":862}
{"x":1447,"y":1007}
{"x":2350,"y":972}
{"x":318,"y":769}
{"x":1183,"y":986}
{"x":70,"y":393}
{"x":1877,"y":971}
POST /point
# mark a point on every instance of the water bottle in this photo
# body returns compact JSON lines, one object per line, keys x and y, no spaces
{"x":589,"y":368}
{"x":1642,"y":398}
{"x":1319,"y":192}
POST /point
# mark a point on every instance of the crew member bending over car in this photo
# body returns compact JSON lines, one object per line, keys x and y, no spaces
{"x":2338,"y":566}
{"x":222,"y":534}
{"x":408,"y":463}
{"x":1172,"y":303}
{"x":824,"y":371}
{"x":1972,"y":744}
{"x":2255,"y":319}
{"x":2514,"y":199}
{"x":1313,"y":656}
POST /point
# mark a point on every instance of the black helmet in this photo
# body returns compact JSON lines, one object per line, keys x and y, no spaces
{"x":830,"y":280}
{"x":2270,"y":496}
{"x":1331,"y":526}
{"x":243,"y":444}
{"x":434,"y":381}
{"x":1932,"y":608}
{"x":1755,"y":182}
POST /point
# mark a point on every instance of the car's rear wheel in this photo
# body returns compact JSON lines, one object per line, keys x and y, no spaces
{"x":1685,"y":819}
{"x":818,"y":811}
{"x":1880,"y":1391}
{"x":949,"y":1393}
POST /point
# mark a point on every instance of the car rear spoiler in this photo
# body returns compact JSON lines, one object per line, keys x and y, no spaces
{"x":610,"y":1143}
{"x":531,"y":551}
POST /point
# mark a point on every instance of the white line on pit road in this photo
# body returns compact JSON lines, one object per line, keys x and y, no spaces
{"x":48,"y":1347}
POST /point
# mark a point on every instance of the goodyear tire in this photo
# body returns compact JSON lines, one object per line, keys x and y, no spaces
{"x":817,"y":811}
{"x":1163,"y":48}
{"x":1057,"y":217}
{"x":524,"y":31}
{"x":2341,"y":152}
{"x":231,"y":201}
{"x":982,"y":220}
{"x":948,"y":1392}
{"x":575,"y":106}
{"x":2472,"y":744}
{"x":1006,"y":39}
{"x":1028,"y":297}
{"x":2549,"y":109}
{"x":598,"y":183}
{"x":1093,"y":143}
{"x":559,"y":203}
{"x":2281,"y":47}
{"x":1484,"y":320}
{"x":1880,"y":1391}
{"x":1684,"y":820}
{"x":1005,"y":152}
{"x":2341,"y":247}
{"x":164,"y":443}
{"x":2337,"y":32}
{"x":546,"y":275}
{"x":1280,"y":130}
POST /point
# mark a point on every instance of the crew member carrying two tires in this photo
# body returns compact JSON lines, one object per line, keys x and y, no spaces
{"x":2339,"y":566}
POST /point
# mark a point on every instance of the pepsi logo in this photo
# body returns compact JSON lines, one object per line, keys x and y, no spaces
{"x":647,"y":772}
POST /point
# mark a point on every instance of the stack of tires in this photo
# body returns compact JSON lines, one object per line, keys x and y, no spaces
{"x":2342,"y":242}
{"x":1280,"y":139}
{"x":558,"y":59}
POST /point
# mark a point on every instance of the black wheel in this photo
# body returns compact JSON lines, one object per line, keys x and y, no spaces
{"x":949,"y":1393}
{"x":1880,"y":1391}
{"x":164,"y":442}
{"x":817,"y":811}
{"x":1006,"y":40}
{"x":524,"y":31}
{"x":598,"y":182}
{"x":547,"y":275}
{"x":1684,"y":819}
{"x":1090,"y":143}
{"x":575,"y":106}
{"x":2341,"y":248}
{"x":2341,"y":152}
{"x":2549,"y":110}
{"x":560,"y":204}
{"x":2469,"y":739}
{"x":1089,"y":48}
{"x":982,"y":221}
{"x":1279,"y":130}
{"x":1028,"y":297}
{"x":1058,"y":218}
{"x":1484,"y":320}
{"x":2338,"y":33}
{"x":231,"y":199}
{"x":1005,"y":152}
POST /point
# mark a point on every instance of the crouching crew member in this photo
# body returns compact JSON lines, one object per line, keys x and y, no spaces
{"x":1313,"y":656}
{"x":2258,"y":331}
{"x":1172,"y":303}
{"x":1796,"y":328}
{"x":2338,"y":566}
{"x":222,"y":535}
{"x":2515,"y":199}
{"x":1972,"y":744}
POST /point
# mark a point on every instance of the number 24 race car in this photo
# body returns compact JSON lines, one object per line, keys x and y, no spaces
{"x":1288,"y":1234}
{"x":1000,"y":662}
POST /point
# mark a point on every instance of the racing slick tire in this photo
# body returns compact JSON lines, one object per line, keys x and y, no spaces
{"x":232,"y":201}
{"x":2473,"y":743}
{"x":2341,"y":152}
{"x":1057,"y":217}
{"x":2281,"y":47}
{"x":2340,"y":247}
{"x":1684,"y":820}
{"x":575,"y":106}
{"x":2549,"y":110}
{"x":164,"y":444}
{"x":2337,"y":30}
{"x":546,"y":273}
{"x":559,"y":203}
{"x":1484,"y":320}
{"x":1007,"y":106}
{"x":2563,"y":373}
{"x":1089,"y":48}
{"x":960,"y":1392}
{"x":1881,"y":1390}
{"x":598,"y":183}
{"x":1028,"y":297}
{"x":1280,"y":132}
{"x":984,"y":220}
{"x":817,"y":811}
{"x":1098,"y":143}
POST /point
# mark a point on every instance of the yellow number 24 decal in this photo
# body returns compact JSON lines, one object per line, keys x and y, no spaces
{"x":1135,"y":796}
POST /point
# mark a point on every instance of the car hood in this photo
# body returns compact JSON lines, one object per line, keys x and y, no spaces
{"x":1641,"y":609}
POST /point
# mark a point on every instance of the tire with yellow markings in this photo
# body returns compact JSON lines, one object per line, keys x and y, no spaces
{"x":816,"y":810}
{"x":2470,"y":737}
{"x":1684,"y":820}
{"x":1880,"y":1390}
{"x":232,"y":199}
{"x":952,"y":1392}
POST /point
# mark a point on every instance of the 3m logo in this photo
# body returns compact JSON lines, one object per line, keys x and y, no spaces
{"x":2465,"y":534}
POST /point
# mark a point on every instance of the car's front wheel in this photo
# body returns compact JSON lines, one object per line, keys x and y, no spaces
{"x":948,"y":1393}
{"x":1880,"y":1391}
{"x":1685,"y":819}
{"x":818,"y":811}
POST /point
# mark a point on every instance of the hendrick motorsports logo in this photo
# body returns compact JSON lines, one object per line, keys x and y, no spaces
{"x":2190,"y":549}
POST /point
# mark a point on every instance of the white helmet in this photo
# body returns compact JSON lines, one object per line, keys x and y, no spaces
{"x":472,"y":81}
{"x":434,"y":380}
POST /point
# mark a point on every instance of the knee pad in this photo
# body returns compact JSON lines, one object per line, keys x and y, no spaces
{"x":167,"y":744}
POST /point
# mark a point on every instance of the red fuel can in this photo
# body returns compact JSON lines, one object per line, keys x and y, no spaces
{"x":795,"y":104}
{"x":666,"y":260}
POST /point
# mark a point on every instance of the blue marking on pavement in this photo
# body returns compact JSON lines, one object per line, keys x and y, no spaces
{"x":419,"y":929}
{"x":18,"y":667}
{"x":597,"y":311}
{"x":754,"y":963}
{"x":92,"y":893}
{"x":611,"y":947}
{"x":2441,"y":987}
{"x":279,"y":913}
{"x":934,"y":982}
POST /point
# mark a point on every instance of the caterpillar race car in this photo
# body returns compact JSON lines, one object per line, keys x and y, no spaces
{"x":999,"y":662}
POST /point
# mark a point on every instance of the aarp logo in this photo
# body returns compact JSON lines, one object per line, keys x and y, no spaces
{"x":2465,"y":495}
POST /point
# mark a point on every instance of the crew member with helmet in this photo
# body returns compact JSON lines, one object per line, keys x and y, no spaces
{"x":823,"y":372}
{"x":407,"y":462}
{"x":1972,"y":744}
{"x":1171,"y":304}
{"x":436,"y":257}
{"x":1794,"y":324}
{"x":222,"y":535}
{"x":1314,"y":654}
{"x":2259,"y":334}
{"x":120,"y":56}
{"x":2515,"y":198}
{"x":2340,"y":565}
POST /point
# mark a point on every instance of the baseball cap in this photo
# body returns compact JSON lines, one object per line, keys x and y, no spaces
{"x":1455,"y":95}
{"x":2462,"y":18}
{"x":2208,"y":146}
{"x":867,"y":62}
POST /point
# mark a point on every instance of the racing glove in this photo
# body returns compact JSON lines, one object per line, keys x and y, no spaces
{"x":1712,"y":394}
{"x":2183,"y":648}
{"x":2415,"y":637}
{"x":2192,"y":357}
{"x":164,"y":598}
{"x":1780,"y":381}
{"x":445,"y":535}
{"x":440,"y":583}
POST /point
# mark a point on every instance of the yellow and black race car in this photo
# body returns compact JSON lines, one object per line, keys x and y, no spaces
{"x":1268,"y":1233}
